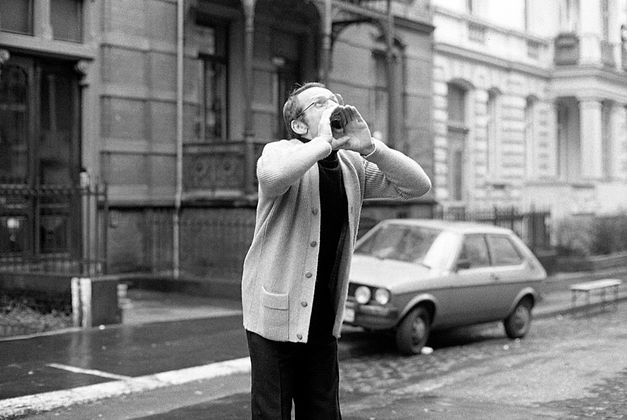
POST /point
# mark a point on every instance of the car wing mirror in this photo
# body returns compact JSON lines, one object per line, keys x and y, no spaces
{"x":463,"y":264}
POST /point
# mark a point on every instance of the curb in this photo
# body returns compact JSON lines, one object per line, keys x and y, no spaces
{"x":578,"y":308}
{"x":48,"y":401}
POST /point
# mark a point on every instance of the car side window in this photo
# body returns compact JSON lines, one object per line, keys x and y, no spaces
{"x":475,"y":251}
{"x":503,"y":251}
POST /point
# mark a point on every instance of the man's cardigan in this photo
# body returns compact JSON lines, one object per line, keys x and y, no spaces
{"x":279,"y":272}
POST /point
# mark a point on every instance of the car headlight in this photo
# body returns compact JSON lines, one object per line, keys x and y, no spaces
{"x":362,"y":294}
{"x":382,"y":296}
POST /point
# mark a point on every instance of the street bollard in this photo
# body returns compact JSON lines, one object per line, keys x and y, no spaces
{"x":95,"y":301}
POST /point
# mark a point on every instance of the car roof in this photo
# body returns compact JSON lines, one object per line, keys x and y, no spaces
{"x":451,"y":225}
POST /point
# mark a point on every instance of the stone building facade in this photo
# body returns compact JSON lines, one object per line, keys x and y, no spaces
{"x":530,"y":99}
{"x":172,"y":101}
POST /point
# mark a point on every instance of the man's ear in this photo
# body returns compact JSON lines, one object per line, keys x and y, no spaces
{"x":299,"y":127}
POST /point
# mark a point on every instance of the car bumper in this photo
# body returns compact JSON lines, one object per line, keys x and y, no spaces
{"x":370,"y":316}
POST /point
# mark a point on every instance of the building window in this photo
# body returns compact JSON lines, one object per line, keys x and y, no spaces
{"x":605,"y":20}
{"x":533,"y":49}
{"x":16,"y":16}
{"x":493,"y":133}
{"x":212,"y":118}
{"x":568,"y":139}
{"x":569,"y":15}
{"x":476,"y":32}
{"x":456,"y":137}
{"x":14,"y":106}
{"x":530,"y":140}
{"x":66,"y":18}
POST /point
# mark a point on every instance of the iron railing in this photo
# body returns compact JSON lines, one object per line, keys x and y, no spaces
{"x":532,"y":226}
{"x":53,"y":229}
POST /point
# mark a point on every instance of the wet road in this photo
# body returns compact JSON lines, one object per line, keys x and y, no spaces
{"x":568,"y":367}
{"x":36,"y":364}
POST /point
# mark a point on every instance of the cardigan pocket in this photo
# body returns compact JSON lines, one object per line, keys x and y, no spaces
{"x":274,"y":315}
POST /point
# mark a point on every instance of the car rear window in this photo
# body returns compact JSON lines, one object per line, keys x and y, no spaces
{"x":503,"y":251}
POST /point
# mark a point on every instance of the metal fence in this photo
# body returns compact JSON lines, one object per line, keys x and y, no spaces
{"x":53,"y":229}
{"x":214,"y":241}
{"x":532,"y":226}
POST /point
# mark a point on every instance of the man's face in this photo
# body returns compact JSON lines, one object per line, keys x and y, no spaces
{"x":315,"y":101}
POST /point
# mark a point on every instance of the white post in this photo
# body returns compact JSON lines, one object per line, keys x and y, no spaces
{"x":85,"y":296}
{"x":76,"y":302}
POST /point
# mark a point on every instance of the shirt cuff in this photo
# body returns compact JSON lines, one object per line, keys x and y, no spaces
{"x":374,"y":149}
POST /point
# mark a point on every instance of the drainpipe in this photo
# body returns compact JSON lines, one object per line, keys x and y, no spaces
{"x":326,"y":43}
{"x":249,"y":157}
{"x":391,"y":79}
{"x":176,"y":246}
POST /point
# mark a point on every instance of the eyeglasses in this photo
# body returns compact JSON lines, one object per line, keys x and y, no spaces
{"x":320,"y":103}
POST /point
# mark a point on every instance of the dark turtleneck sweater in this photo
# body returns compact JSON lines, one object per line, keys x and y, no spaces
{"x":333,"y":228}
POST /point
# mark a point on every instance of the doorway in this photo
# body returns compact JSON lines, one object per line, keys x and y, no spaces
{"x":39,"y":157}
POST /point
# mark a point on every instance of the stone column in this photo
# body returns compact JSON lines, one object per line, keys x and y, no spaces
{"x":591,"y":137}
{"x":619,"y":141}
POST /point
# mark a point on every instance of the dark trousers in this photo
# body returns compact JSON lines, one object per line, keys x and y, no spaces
{"x":306,"y":373}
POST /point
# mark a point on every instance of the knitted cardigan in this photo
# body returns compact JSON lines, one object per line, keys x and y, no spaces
{"x":279,"y":272}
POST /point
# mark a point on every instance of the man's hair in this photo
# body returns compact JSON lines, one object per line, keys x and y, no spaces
{"x":293,"y":107}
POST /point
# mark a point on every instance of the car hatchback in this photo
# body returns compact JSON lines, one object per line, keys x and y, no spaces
{"x":417,"y":276}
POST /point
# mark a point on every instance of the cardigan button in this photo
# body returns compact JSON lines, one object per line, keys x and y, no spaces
{"x":308,"y":274}
{"x":299,"y":336}
{"x":313,"y":244}
{"x":314,"y":211}
{"x":303,"y":304}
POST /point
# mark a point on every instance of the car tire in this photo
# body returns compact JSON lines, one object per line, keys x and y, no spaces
{"x":413,"y":331}
{"x":517,"y":324}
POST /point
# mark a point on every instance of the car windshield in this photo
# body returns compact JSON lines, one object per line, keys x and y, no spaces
{"x":399,"y":242}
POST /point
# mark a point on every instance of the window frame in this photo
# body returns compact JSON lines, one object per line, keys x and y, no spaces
{"x":219,"y":56}
{"x":487,"y":248}
{"x":493,"y":254}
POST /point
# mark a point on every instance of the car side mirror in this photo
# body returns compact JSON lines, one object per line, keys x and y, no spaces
{"x":463,"y":264}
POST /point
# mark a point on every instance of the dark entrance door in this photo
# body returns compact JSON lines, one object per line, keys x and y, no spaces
{"x":39,"y":157}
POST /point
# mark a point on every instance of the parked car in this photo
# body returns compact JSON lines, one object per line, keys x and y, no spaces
{"x":414,"y":276}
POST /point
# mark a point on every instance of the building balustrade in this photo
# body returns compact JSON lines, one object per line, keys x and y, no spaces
{"x":573,"y":49}
{"x":566,"y":49}
{"x":214,"y":170}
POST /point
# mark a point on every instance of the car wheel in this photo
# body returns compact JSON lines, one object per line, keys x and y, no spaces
{"x":413,"y":331}
{"x":518,"y":322}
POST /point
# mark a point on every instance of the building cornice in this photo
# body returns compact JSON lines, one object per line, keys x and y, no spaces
{"x":581,"y":71}
{"x":483,"y":22}
{"x":36,"y":45}
{"x":589,"y":82}
{"x":415,"y":25}
{"x":483,"y":58}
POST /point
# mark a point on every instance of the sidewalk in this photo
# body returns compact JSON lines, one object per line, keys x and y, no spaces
{"x":144,"y":353}
{"x":146,"y":306}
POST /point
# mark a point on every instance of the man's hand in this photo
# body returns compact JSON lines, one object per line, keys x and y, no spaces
{"x":355,"y":135}
{"x":325,"y":132}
